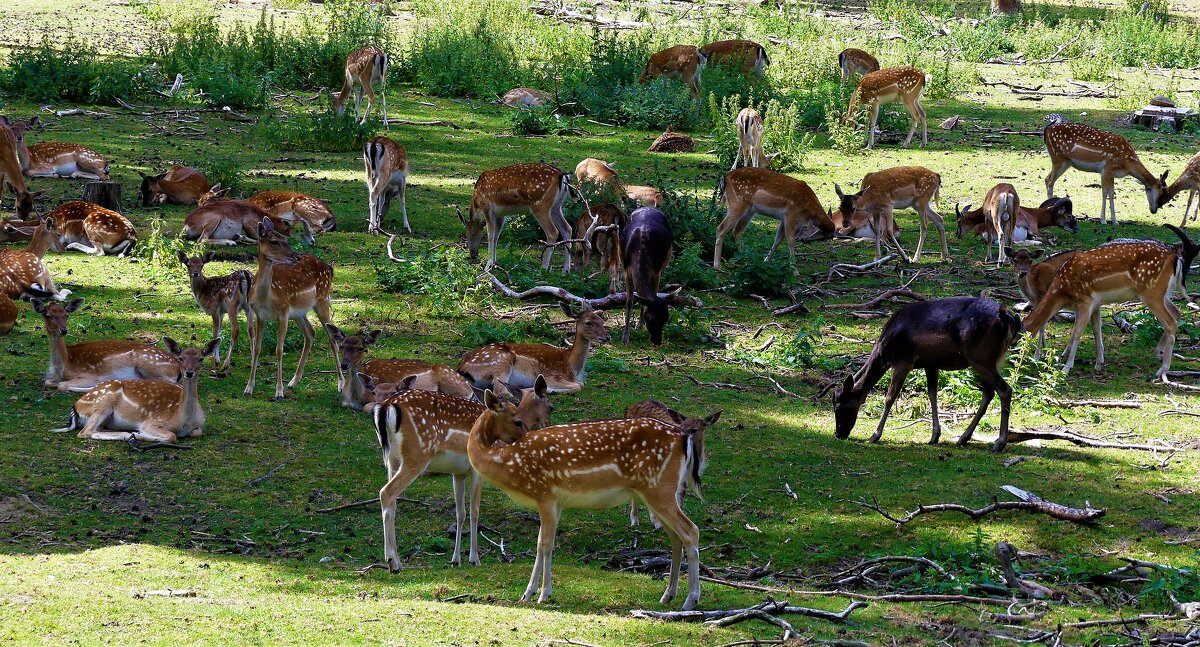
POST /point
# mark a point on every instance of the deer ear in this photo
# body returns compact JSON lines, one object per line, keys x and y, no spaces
{"x":367,"y":381}
{"x":142,"y":175}
{"x":1009,"y":251}
{"x":4,"y":120}
{"x":336,"y":334}
{"x":492,"y":401}
{"x":181,"y":256}
{"x":211,"y":346}
{"x":372,"y":337}
{"x":712,"y":419}
{"x":172,"y":346}
{"x":676,"y":416}
{"x":264,"y":227}
{"x":838,"y":188}
{"x":39,"y":306}
{"x":1037,"y":253}
{"x":848,"y":384}
{"x":73,"y":305}
{"x":34,"y":120}
{"x":514,"y":394}
{"x":540,"y":387}
{"x":1164,"y":177}
{"x":407,"y":383}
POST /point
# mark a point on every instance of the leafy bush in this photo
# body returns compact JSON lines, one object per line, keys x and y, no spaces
{"x":481,"y":331}
{"x":782,"y":135}
{"x":227,"y":172}
{"x":750,"y":274}
{"x":693,"y":219}
{"x":690,"y":268}
{"x":71,"y":71}
{"x":655,"y":105}
{"x":850,"y":137}
{"x":443,"y":277}
{"x":321,"y":130}
{"x":591,"y":83}
{"x":463,"y":49}
{"x":540,"y":121}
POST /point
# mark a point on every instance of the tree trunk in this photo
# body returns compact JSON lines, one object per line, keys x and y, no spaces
{"x":105,"y":194}
{"x":1006,"y":6}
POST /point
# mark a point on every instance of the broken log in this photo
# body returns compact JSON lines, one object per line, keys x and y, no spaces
{"x":1083,"y":441}
{"x":896,"y":293}
{"x":770,"y":607}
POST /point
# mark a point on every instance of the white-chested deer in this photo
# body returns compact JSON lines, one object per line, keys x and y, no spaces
{"x":1188,"y":181}
{"x":387,"y":176}
{"x":756,"y":191}
{"x":177,"y":185}
{"x":219,"y":297}
{"x":152,"y":410}
{"x":10,"y":170}
{"x":999,"y":213}
{"x":1089,"y":149}
{"x":365,"y":68}
{"x":745,"y":56}
{"x":687,"y":426}
{"x":1055,"y":212}
{"x":683,"y":62}
{"x":601,"y":177}
{"x":1034,"y":279}
{"x":854,"y":61}
{"x":23,"y":273}
{"x":92,"y":229}
{"x":749,"y":127}
{"x":287,"y":286}
{"x":534,"y":188}
{"x":57,"y":159}
{"x":882,"y":192}
{"x":351,"y":351}
{"x":859,"y":225}
{"x":224,"y":221}
{"x":519,"y":364}
{"x":291,"y":206}
{"x":904,"y":84}
{"x":602,"y":223}
{"x":593,"y":465}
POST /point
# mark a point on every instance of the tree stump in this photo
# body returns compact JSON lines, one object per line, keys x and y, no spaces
{"x":1009,"y":7}
{"x":105,"y":194}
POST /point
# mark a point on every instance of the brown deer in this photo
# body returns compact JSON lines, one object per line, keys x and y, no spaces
{"x":565,"y":369}
{"x":524,"y":98}
{"x":1119,"y":271}
{"x":219,"y":296}
{"x":1092,"y":150}
{"x":290,"y":206}
{"x":856,"y":61}
{"x":1188,"y":181}
{"x":683,"y":62}
{"x":57,"y":159}
{"x":1009,"y":7}
{"x":644,"y":196}
{"x":535,"y":188}
{"x":691,"y":427}
{"x":1055,"y":212}
{"x":80,"y":367}
{"x":365,"y":68}
{"x":10,"y":170}
{"x":17,"y":231}
{"x":178,"y":185}
{"x":287,"y":286}
{"x":859,"y":225}
{"x":594,"y":465}
{"x":8,"y":314}
{"x":905,"y":84}
{"x":601,"y":177}
{"x":941,"y":334}
{"x":999,"y":214}
{"x":646,"y":245}
{"x":1033,"y":279}
{"x":351,"y":349}
{"x":132,"y":409}
{"x":882,"y":192}
{"x":387,"y":177}
{"x":603,"y":223}
{"x":222,"y":221}
{"x":92,"y":229}
{"x":422,"y":432}
{"x":23,"y":273}
{"x":749,"y":127}
{"x":746,"y":56}
{"x":758,"y":191}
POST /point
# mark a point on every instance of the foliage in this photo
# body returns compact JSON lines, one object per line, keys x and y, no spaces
{"x":67,"y":69}
{"x":693,"y":217}
{"x":158,"y":253}
{"x":849,"y":137}
{"x":228,"y":172}
{"x":751,"y":274}
{"x":321,"y":130}
{"x":540,"y":121}
{"x":690,"y":268}
{"x":655,"y":105}
{"x":463,"y":49}
{"x":482,"y":331}
{"x":782,"y":134}
{"x":442,"y":276}
{"x":590,"y":81}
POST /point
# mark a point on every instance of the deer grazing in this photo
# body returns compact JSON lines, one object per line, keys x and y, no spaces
{"x":422,"y":432}
{"x":92,"y":229}
{"x":134,"y":409}
{"x":646,"y":245}
{"x":178,"y":185}
{"x":365,"y":68}
{"x":23,"y":273}
{"x":751,"y":191}
{"x":80,"y":367}
{"x":745,"y":56}
{"x":564,"y":369}
{"x":999,"y":214}
{"x":855,"y":61}
{"x":890,"y":84}
{"x":601,"y":177}
{"x":10,"y":170}
{"x":387,"y":176}
{"x":941,"y":334}
{"x":882,"y":192}
{"x":57,"y":159}
{"x":1146,"y":270}
{"x":690,"y":427}
{"x":222,"y":221}
{"x":594,"y":465}
{"x":683,"y":62}
{"x":599,"y":222}
{"x":219,"y":296}
{"x":1188,"y":181}
{"x":749,"y":127}
{"x":292,"y":206}
{"x":1033,"y":279}
{"x":287,"y":286}
{"x":644,"y":196}
{"x":1089,"y":149}
{"x":351,"y":349}
{"x":535,"y":188}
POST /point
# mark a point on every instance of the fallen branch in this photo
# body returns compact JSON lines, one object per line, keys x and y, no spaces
{"x":366,"y":502}
{"x":133,"y":445}
{"x":1082,"y":441}
{"x":920,"y":561}
{"x":890,"y":597}
{"x":840,"y":268}
{"x":794,"y":308}
{"x":436,"y":122}
{"x":1145,"y":617}
{"x":167,"y":593}
{"x":614,"y":300}
{"x":883,"y":296}
{"x":267,"y":475}
{"x":722,"y":617}
{"x":719,"y":385}
{"x":1101,"y":404}
{"x":1029,"y":503}
{"x":1006,"y":554}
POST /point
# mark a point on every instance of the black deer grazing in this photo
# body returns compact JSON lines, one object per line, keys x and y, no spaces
{"x":645,"y":251}
{"x":951,"y":334}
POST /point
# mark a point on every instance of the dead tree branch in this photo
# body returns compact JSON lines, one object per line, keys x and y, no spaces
{"x":366,"y":502}
{"x":887,"y":295}
{"x":614,"y":300}
{"x":1029,"y":502}
{"x":727,"y":617}
{"x":1083,"y":441}
{"x":890,"y":597}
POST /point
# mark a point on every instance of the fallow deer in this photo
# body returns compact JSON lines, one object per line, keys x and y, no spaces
{"x":422,"y":432}
{"x":601,"y":177}
{"x":882,"y":192}
{"x":1055,"y":212}
{"x":220,"y":296}
{"x":646,"y":245}
{"x":594,"y":465}
{"x":291,"y":206}
{"x":603,"y":223}
{"x":941,"y":334}
{"x":365,"y":68}
{"x":57,"y":159}
{"x":80,"y":367}
{"x":746,"y":56}
{"x":859,"y":226}
{"x":223,"y":221}
{"x":754,"y":191}
{"x":644,"y":196}
{"x":749,"y":127}
{"x":1092,"y":150}
{"x":524,"y":98}
{"x":683,"y":62}
{"x":692,"y":427}
{"x":8,"y":314}
{"x":1033,"y":279}
{"x":905,"y":84}
{"x":999,"y":214}
{"x":132,"y":409}
{"x":1009,"y":7}
{"x":856,"y":61}
{"x":92,"y":229}
{"x":535,"y":188}
{"x":23,"y":273}
{"x":519,"y":364}
{"x":287,"y":286}
{"x":387,"y":177}
{"x":178,"y":185}
{"x":1188,"y":181}
{"x":351,"y":349}
{"x":1118,"y":271}
{"x":17,"y":231}
{"x":10,"y":170}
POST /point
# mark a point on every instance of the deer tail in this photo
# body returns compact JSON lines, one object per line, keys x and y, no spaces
{"x":693,"y":451}
{"x":1190,"y":250}
{"x":721,"y":190}
{"x":387,"y":421}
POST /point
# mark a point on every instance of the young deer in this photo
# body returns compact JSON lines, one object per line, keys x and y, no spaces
{"x":941,"y":334}
{"x":749,"y":127}
{"x":57,"y":159}
{"x":644,"y":196}
{"x":92,"y":229}
{"x":691,"y":427}
{"x":422,"y":432}
{"x":856,"y":61}
{"x":222,"y":221}
{"x":79,"y":367}
{"x":351,"y":349}
{"x":292,"y":206}
{"x":287,"y":286}
{"x":1119,"y":271}
{"x":882,"y":192}
{"x":10,"y":170}
{"x":220,"y":296}
{"x":535,"y":188}
{"x":1188,"y":181}
{"x":518,"y":364}
{"x":127,"y":409}
{"x":683,"y":62}
{"x":365,"y":68}
{"x":593,"y":465}
{"x":1033,"y":279}
{"x":999,"y":214}
{"x":646,"y":245}
{"x":758,"y":191}
{"x":601,"y":220}
{"x":602,"y":177}
{"x":746,"y":56}
{"x":885,"y":86}
{"x":23,"y":273}
{"x":387,"y":176}
{"x":1089,"y":149}
{"x":178,"y":185}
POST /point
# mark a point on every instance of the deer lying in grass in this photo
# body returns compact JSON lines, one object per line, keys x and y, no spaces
{"x":854,"y":61}
{"x":940,"y":334}
{"x":178,"y":185}
{"x":860,"y":225}
{"x":683,"y":62}
{"x":691,"y":427}
{"x":92,"y":229}
{"x":1055,"y":212}
{"x":23,"y":273}
{"x":525,"y":98}
{"x":223,"y":221}
{"x":882,"y":192}
{"x":352,"y":349}
{"x":644,"y":196}
{"x":1033,"y":279}
{"x":57,"y":159}
{"x":998,"y":216}
{"x":601,"y":177}
{"x":291,"y":206}
{"x":219,"y":296}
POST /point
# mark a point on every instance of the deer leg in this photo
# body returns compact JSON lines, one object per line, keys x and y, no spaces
{"x":281,"y":336}
{"x":1057,"y":168}
{"x":1106,"y":191}
{"x":1083,"y":313}
{"x":460,"y":515}
{"x":628,"y":311}
{"x":633,"y":513}
{"x":216,"y":325}
{"x":476,"y":495}
{"x":306,"y":329}
{"x":991,"y":381}
{"x":233,"y":337}
{"x":989,"y":392}
{"x":913,"y":118}
{"x":1096,"y":331}
{"x":686,"y":536}
{"x":564,"y":229}
{"x":940,"y":223}
{"x":357,"y":100}
{"x":871,"y":126}
{"x":403,"y":205}
{"x":548,"y":512}
{"x":924,"y":122}
{"x":1187,"y":208}
{"x":931,"y":383}
{"x":775,"y":245}
{"x":256,"y":331}
{"x":370,"y":90}
{"x":899,"y":372}
{"x":324,"y":312}
{"x":1168,"y":315}
{"x":391,"y":491}
{"x":924,"y":220}
{"x":733,"y":219}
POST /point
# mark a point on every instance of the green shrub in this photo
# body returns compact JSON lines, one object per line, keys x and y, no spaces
{"x":782,"y":135}
{"x":691,"y":269}
{"x":481,"y":331}
{"x":590,"y":84}
{"x":655,"y":105}
{"x":849,"y":137}
{"x":321,"y":130}
{"x":464,"y":50}
{"x":750,"y":274}
{"x":540,"y":121}
{"x":70,"y":70}
{"x":443,"y":277}
{"x":227,"y":172}
{"x":693,"y":219}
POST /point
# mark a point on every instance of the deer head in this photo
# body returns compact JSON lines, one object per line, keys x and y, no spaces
{"x":475,"y":230}
{"x":152,"y":193}
{"x":846,"y":204}
{"x":195,"y":265}
{"x":1022,"y":260}
{"x":1156,"y":193}
{"x":273,"y":245}
{"x":1062,"y":213}
{"x":352,"y":348}
{"x":25,"y":206}
{"x":533,"y":404}
{"x":214,"y":193}
{"x":55,"y":315}
{"x":846,"y":405}
{"x":191,"y":360}
{"x":589,"y":322}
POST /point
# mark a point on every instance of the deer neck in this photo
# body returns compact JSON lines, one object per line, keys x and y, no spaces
{"x":190,"y":409}
{"x":200,"y":290}
{"x":1133,"y":166}
{"x":869,"y":376}
{"x":577,"y":355}
{"x":23,"y":157}
{"x":1181,"y":184}
{"x":352,"y":389}
{"x":38,"y":245}
{"x":58,"y":358}
{"x":262,"y":282}
{"x":482,"y":451}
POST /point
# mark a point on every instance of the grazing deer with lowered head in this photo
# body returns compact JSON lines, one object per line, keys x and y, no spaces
{"x":905,"y":84}
{"x":287,"y":286}
{"x":1033,"y":279}
{"x":538,"y":189}
{"x":365,"y":68}
{"x":178,"y":185}
{"x":10,"y":170}
{"x":593,"y":465}
{"x":219,"y":296}
{"x":565,"y":369}
{"x":601,"y":177}
{"x":856,"y":61}
{"x":745,"y":56}
{"x":387,"y":177}
{"x":23,"y":273}
{"x":1188,"y":181}
{"x":351,"y":350}
{"x":128,"y":409}
{"x":80,"y":367}
{"x":683,"y":62}
{"x":646,"y":245}
{"x":1089,"y":149}
{"x":57,"y":159}
{"x":999,"y":214}
{"x":223,"y":221}
{"x":602,"y":223}
{"x":752,"y":191}
{"x":941,"y":334}
{"x":749,"y":127}
{"x":882,"y":192}
{"x":92,"y":229}
{"x":292,"y":206}
{"x":422,"y":432}
{"x":1146,"y":270}
{"x":691,"y":427}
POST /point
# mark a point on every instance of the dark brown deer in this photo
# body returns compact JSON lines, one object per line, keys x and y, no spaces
{"x":646,"y":245}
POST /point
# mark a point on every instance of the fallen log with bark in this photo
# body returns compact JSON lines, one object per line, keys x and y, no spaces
{"x":1029,"y":502}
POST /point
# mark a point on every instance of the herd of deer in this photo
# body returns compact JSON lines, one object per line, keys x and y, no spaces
{"x":477,"y":418}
